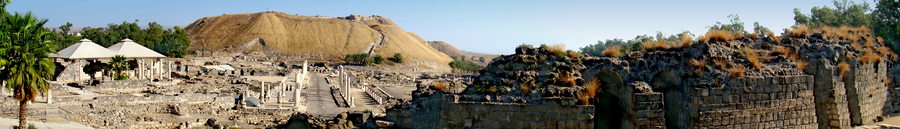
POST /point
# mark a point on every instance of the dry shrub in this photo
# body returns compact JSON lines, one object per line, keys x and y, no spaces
{"x":770,"y":33}
{"x":612,"y":51}
{"x":754,"y":35}
{"x":719,"y":36}
{"x":566,"y":79}
{"x":557,"y":48}
{"x":868,"y":44}
{"x":719,"y":63}
{"x":777,"y":39}
{"x":583,"y":98}
{"x":698,"y":65}
{"x":798,"y":30}
{"x":736,"y":71}
{"x":592,"y":87}
{"x":702,"y":39}
{"x":440,"y":85}
{"x":660,"y":44}
{"x":855,"y":38}
{"x":573,"y":54}
{"x":857,"y":46}
{"x":800,"y":64}
{"x":686,"y":40}
{"x":886,"y":52}
{"x":842,"y":68}
{"x":869,"y":56}
{"x":753,"y":58}
{"x":781,"y":50}
{"x":526,"y":87}
{"x":880,"y":40}
{"x":862,"y":29}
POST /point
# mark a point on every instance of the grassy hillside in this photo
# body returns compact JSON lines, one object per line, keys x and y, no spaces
{"x":290,"y":34}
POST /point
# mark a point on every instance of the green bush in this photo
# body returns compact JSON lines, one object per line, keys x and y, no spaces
{"x":465,"y":65}
{"x":361,"y":58}
{"x":378,"y":59}
{"x":397,"y":58}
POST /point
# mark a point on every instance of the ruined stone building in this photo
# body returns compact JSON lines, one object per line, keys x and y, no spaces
{"x":834,"y":78}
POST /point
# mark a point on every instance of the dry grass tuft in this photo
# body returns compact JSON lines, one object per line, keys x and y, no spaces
{"x":583,"y":98}
{"x":869,"y":56}
{"x":781,"y":50}
{"x":886,"y":52}
{"x":660,"y":44}
{"x":574,"y":54}
{"x":686,"y":40}
{"x":702,"y":39}
{"x":698,"y":65}
{"x":736,"y":71}
{"x":719,"y":63}
{"x":592,"y":87}
{"x":753,"y":57}
{"x":557,"y":48}
{"x":612,"y":51}
{"x":800,"y":64}
{"x":798,"y":30}
{"x":754,"y":35}
{"x":842,"y":68}
{"x":719,"y":36}
{"x":566,"y":79}
{"x":440,"y":85}
{"x":526,"y":87}
{"x":777,"y":39}
{"x":770,"y":33}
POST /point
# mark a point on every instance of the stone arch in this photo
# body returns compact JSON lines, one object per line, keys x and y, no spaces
{"x":609,"y":109}
{"x":664,"y":80}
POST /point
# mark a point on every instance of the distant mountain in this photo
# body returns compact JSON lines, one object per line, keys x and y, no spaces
{"x":446,"y":48}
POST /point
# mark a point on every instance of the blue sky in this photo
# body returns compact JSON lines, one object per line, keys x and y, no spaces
{"x":472,"y":25}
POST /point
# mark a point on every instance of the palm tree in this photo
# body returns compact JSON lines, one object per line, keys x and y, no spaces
{"x":27,"y":65}
{"x":118,"y":64}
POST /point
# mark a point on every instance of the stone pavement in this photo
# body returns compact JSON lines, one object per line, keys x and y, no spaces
{"x":319,"y":100}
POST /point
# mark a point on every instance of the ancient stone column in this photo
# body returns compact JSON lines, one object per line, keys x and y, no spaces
{"x":50,"y":95}
{"x":262,"y":94}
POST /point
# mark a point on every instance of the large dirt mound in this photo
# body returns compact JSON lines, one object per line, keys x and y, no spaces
{"x":446,"y":48}
{"x":297,"y":34}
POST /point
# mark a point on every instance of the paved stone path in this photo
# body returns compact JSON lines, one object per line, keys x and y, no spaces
{"x":318,"y":98}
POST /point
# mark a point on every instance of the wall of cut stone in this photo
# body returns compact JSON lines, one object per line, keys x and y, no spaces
{"x":830,"y":95}
{"x":867,"y":92}
{"x":756,"y":102}
{"x":443,"y":111}
{"x":649,"y":110}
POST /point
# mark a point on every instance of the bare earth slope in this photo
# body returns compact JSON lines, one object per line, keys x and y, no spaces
{"x":446,"y":48}
{"x":296,"y":34}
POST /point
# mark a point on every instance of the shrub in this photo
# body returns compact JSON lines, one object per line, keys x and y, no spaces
{"x":800,"y":64}
{"x":686,"y":40}
{"x":702,"y":39}
{"x":736,"y":71}
{"x":719,"y":63}
{"x":842,"y":68}
{"x":612,"y":51}
{"x":583,"y":98}
{"x":719,"y":35}
{"x":573,"y":54}
{"x":465,"y":65}
{"x":566,"y":79}
{"x":557,"y":48}
{"x":591,"y":88}
{"x":754,"y":35}
{"x":770,"y":34}
{"x":526,"y":87}
{"x":798,"y":30}
{"x":361,"y":58}
{"x":698,"y":65}
{"x":397,"y":58}
{"x":869,"y":57}
{"x":377,"y":59}
{"x":440,"y":85}
{"x":781,"y":50}
{"x":753,"y":58}
{"x":659,"y":44}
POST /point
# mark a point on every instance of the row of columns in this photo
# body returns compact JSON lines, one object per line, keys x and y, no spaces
{"x":345,"y":86}
{"x":152,"y":69}
{"x":283,"y":87}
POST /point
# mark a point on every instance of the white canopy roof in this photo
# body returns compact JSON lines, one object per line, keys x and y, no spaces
{"x":84,"y":49}
{"x":130,"y":49}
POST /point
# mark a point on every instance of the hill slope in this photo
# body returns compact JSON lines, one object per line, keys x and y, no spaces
{"x":446,"y":48}
{"x":295,"y":34}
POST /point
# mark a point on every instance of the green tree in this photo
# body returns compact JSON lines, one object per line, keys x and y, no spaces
{"x":117,"y":64}
{"x":481,"y":59}
{"x":26,"y":62}
{"x":736,"y":25}
{"x":886,"y":22}
{"x":844,"y":13}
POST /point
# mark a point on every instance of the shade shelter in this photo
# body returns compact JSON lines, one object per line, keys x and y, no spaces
{"x":130,"y":49}
{"x":84,"y":49}
{"x":149,"y":65}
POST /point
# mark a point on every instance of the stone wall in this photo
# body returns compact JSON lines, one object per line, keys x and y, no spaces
{"x":755,"y":102}
{"x":446,"y":111}
{"x":830,"y":95}
{"x":866,"y":90}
